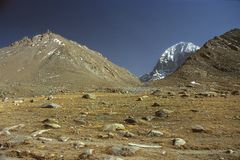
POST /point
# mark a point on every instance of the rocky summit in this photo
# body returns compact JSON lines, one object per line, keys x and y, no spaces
{"x":170,"y":60}
{"x":50,"y":62}
{"x":216,"y":63}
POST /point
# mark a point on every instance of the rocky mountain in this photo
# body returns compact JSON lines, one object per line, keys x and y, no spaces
{"x":48,"y":61}
{"x":170,"y":60}
{"x":217,"y":62}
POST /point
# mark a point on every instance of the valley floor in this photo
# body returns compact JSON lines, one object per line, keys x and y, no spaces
{"x":83,"y":120}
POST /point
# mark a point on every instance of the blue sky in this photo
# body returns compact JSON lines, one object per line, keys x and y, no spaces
{"x":131,"y":33}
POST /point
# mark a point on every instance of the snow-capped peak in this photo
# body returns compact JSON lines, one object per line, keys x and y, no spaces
{"x":179,"y":48}
{"x":170,"y":60}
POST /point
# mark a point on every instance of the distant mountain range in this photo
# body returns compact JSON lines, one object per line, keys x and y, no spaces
{"x":170,"y":60}
{"x":48,"y":63}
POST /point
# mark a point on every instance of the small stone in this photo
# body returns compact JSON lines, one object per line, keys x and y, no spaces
{"x":32,"y":101}
{"x":45,"y":139}
{"x":63,"y":139}
{"x":171,"y":93}
{"x":80,"y":121}
{"x":148,"y":118}
{"x":163,"y":113}
{"x":163,"y":152}
{"x":194,"y":110}
{"x":185,"y":95}
{"x":51,"y":105}
{"x":78,"y":144}
{"x":5,"y":99}
{"x":19,"y":139}
{"x":208,"y":94}
{"x":113,"y":127}
{"x":178,"y":142}
{"x":50,"y":120}
{"x":142,"y":98}
{"x":18,"y":101}
{"x":229,"y":151}
{"x":127,"y":134}
{"x":50,"y":97}
{"x":198,"y":128}
{"x":113,"y":158}
{"x":86,"y":154}
{"x":131,"y":120}
{"x":235,"y":92}
{"x":155,"y":104}
{"x":104,"y":136}
{"x":52,"y":125}
{"x":89,"y":96}
{"x":123,"y":150}
{"x":154,"y":133}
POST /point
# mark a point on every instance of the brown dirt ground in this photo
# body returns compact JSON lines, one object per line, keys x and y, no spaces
{"x":220,"y":117}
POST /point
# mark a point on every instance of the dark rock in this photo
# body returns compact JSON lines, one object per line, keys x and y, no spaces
{"x":51,"y":105}
{"x":89,"y":96}
{"x":198,"y":128}
{"x":155,"y":104}
{"x":123,"y":150}
{"x":131,"y":120}
{"x":236,"y":92}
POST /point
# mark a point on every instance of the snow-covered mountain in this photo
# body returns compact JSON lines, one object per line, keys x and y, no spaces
{"x":170,"y":60}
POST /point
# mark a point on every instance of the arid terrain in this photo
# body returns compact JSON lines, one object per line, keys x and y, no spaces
{"x":208,"y":124}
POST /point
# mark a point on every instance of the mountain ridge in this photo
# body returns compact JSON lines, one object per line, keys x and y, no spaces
{"x":49,"y":59}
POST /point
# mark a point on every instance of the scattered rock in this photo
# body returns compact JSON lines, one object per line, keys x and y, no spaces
{"x":194,"y":110}
{"x":6,"y":131}
{"x":236,"y":92}
{"x":123,"y":150}
{"x":78,"y":144}
{"x":51,"y":105}
{"x":178,"y":142}
{"x":50,"y":97}
{"x":36,"y":133}
{"x":163,"y":113}
{"x":113,"y":158}
{"x":126,"y":134}
{"x":171,"y":93}
{"x":18,"y":101}
{"x":208,"y":94}
{"x":63,"y":139}
{"x":154,"y":133}
{"x":148,"y":118}
{"x":113,"y":127}
{"x":52,"y":125}
{"x":144,"y":145}
{"x":89,"y":96}
{"x":44,"y":139}
{"x":105,"y":136}
{"x":198,"y":128}
{"x":32,"y":101}
{"x":131,"y":120}
{"x":229,"y":151}
{"x":80,"y":121}
{"x":142,"y":98}
{"x":50,"y":120}
{"x":184,"y":95}
{"x":19,"y":139}
{"x":5,"y":99}
{"x":86,"y":154}
{"x":3,"y":157}
{"x":155,"y":104}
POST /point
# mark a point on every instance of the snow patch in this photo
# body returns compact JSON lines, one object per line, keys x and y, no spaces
{"x":58,"y":42}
